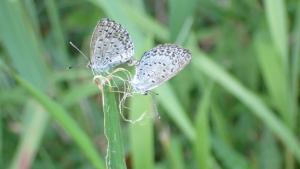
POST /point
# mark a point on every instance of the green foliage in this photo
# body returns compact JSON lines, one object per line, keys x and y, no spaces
{"x":112,"y":130}
{"x":235,"y":106}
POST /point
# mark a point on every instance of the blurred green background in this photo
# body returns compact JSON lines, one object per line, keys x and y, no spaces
{"x":236,"y":106}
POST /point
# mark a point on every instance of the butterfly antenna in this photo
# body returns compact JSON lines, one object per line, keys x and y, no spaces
{"x":75,"y":47}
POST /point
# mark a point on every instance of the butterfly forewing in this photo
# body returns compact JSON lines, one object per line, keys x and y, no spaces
{"x":110,"y":46}
{"x":158,"y":65}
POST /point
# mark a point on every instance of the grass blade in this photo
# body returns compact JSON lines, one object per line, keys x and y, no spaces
{"x":175,"y":110}
{"x":141,"y":133}
{"x":174,"y":154}
{"x":295,"y":61}
{"x":115,"y":158}
{"x":59,"y":114}
{"x":20,"y":40}
{"x":17,"y":33}
{"x":31,"y":9}
{"x":220,"y":124}
{"x":277,"y":19}
{"x":208,"y":67}
{"x":1,"y":139}
{"x":58,"y":40}
{"x":202,"y":141}
{"x":35,"y":124}
{"x":270,"y":64}
{"x":228,"y":156}
{"x":179,"y":11}
{"x":269,"y":155}
{"x":78,"y":92}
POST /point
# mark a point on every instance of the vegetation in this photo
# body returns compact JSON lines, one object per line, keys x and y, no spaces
{"x":236,"y":106}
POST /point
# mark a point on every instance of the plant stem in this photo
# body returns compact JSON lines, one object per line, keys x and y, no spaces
{"x":112,"y":131}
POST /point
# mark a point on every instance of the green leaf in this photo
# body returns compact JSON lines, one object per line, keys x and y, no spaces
{"x":58,"y":42}
{"x":270,"y":64}
{"x":202,"y":141}
{"x":171,"y":104}
{"x":34,"y":123}
{"x":277,"y":19}
{"x":295,"y":61}
{"x":220,"y":124}
{"x":180,"y":11}
{"x":78,"y":92}
{"x":258,"y":107}
{"x":20,"y":41}
{"x":228,"y":156}
{"x":115,"y":157}
{"x":141,"y":133}
{"x":18,"y":33}
{"x":175,"y":154}
{"x":60,"y":115}
{"x":269,"y":154}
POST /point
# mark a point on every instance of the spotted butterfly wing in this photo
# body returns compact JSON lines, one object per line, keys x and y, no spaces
{"x":159,"y":65}
{"x":110,"y":46}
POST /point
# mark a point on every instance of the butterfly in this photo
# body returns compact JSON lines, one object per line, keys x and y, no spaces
{"x":158,"y":65}
{"x":110,"y":47}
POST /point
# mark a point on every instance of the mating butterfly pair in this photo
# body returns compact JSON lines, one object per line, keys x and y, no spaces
{"x":111,"y":46}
